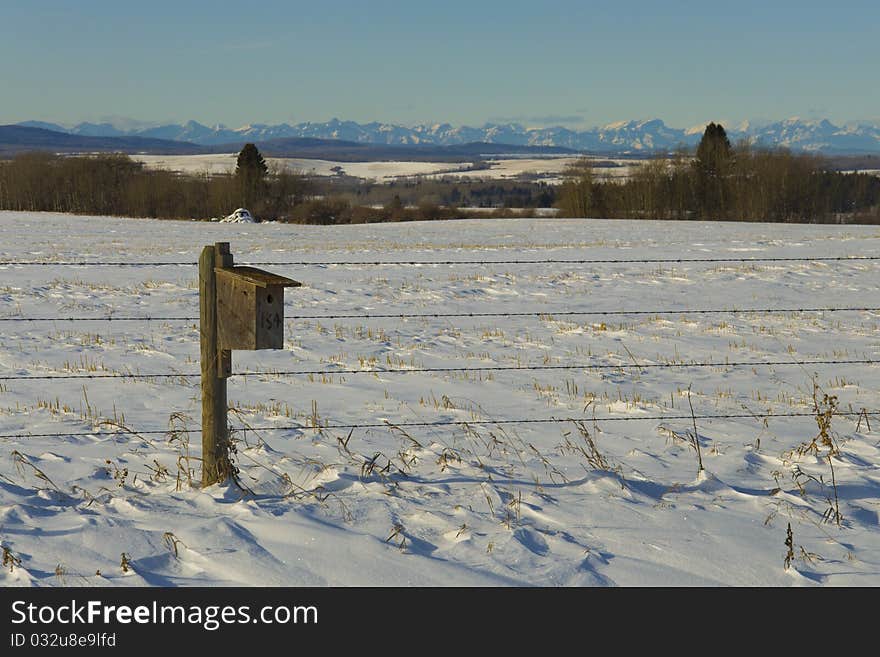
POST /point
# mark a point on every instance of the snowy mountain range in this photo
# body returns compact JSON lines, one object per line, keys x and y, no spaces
{"x":622,"y":137}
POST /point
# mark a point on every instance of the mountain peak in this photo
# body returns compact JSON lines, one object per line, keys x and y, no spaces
{"x":652,"y":123}
{"x":638,"y":135}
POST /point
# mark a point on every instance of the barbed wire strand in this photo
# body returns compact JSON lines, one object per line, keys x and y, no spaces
{"x":546,"y":313}
{"x":449,"y":423}
{"x":424,"y":370}
{"x":108,"y":318}
{"x":362,"y":263}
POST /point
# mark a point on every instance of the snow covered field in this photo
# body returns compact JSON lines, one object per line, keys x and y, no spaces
{"x":225,"y":163}
{"x":550,"y":167}
{"x":481,"y":504}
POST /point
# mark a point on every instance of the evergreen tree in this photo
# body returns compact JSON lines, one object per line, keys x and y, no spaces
{"x":712,"y":166}
{"x":251,"y":172}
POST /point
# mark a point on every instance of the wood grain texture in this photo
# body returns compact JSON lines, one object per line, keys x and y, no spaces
{"x":256,"y":276}
{"x":215,"y":462}
{"x":250,"y":308}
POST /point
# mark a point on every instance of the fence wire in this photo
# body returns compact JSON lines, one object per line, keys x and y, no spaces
{"x":442,"y":423}
{"x":548,"y":314}
{"x":428,"y":370}
{"x":450,"y":423}
{"x":417,"y":263}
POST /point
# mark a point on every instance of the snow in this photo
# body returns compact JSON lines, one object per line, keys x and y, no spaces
{"x":486,"y":504}
{"x":501,"y":168}
{"x":225,"y":163}
{"x":550,"y":169}
{"x":239,"y":216}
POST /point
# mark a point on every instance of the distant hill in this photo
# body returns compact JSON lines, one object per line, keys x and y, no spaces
{"x":349,"y":151}
{"x":615,"y":138}
{"x":20,"y":138}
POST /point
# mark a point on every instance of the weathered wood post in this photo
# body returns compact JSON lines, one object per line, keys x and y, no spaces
{"x":215,"y":462}
{"x":239,"y":308}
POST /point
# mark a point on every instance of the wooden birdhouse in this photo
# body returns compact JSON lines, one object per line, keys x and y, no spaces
{"x":250,"y":308}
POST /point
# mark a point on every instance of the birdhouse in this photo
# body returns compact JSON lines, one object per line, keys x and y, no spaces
{"x":250,"y":308}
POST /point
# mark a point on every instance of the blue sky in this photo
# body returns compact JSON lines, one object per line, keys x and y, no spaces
{"x":542,"y":62}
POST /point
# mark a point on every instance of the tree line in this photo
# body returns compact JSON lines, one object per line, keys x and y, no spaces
{"x":718,"y":181}
{"x":725,"y":182}
{"x":114,"y":184}
{"x":447,"y":191}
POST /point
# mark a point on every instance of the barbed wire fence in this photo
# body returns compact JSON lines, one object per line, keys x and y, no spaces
{"x":544,"y":314}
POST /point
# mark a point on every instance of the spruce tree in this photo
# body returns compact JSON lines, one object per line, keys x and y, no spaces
{"x":251,"y":172}
{"x":714,"y":150}
{"x":712,"y":166}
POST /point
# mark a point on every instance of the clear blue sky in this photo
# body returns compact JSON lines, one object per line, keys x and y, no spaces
{"x":571,"y":62}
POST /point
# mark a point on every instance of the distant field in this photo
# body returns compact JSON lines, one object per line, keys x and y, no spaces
{"x":549,"y":169}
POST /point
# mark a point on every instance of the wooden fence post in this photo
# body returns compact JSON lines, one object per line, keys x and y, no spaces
{"x":242,"y":309}
{"x":216,"y":366}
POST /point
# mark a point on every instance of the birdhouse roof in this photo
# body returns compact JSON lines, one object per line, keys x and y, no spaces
{"x":256,"y":276}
